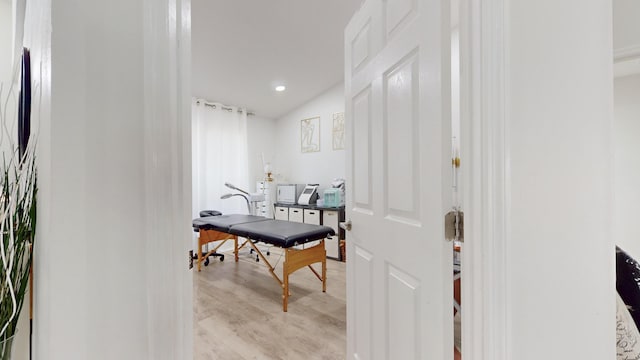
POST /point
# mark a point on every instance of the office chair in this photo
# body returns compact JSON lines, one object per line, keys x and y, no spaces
{"x":206,"y":213}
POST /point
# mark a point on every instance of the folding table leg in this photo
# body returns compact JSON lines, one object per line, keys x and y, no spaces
{"x":235,"y":246}
{"x":285,"y":291}
{"x":199,"y":258}
{"x":324,"y":275}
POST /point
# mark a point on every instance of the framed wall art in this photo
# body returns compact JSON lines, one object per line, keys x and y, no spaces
{"x":310,"y":135}
{"x":338,"y":131}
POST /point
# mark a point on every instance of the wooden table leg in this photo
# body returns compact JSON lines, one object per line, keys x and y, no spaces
{"x":235,"y":246}
{"x":199,"y":256}
{"x":285,"y":289}
{"x":324,"y":274}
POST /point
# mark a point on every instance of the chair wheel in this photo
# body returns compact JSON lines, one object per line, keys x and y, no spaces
{"x":222,"y":258}
{"x":250,"y":251}
{"x":206,"y":262}
{"x":257,"y":258}
{"x":268,"y":253}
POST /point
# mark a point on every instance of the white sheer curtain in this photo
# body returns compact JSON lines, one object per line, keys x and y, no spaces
{"x":219,"y":155}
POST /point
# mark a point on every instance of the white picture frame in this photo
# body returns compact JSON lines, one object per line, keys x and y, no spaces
{"x":310,"y":135}
{"x":338,"y":131}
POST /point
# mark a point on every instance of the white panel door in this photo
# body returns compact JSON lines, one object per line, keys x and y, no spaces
{"x":399,"y":267}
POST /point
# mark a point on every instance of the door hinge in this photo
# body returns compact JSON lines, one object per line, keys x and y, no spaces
{"x":454,"y":225}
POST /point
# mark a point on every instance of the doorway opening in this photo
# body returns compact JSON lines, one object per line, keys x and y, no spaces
{"x":268,"y":110}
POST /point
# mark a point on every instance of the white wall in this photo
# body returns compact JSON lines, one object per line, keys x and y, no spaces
{"x":626,"y":140}
{"x":6,"y":42}
{"x":626,"y":27}
{"x":293,"y":166}
{"x":7,"y":70}
{"x":261,"y":135}
{"x":626,"y":37}
{"x":110,"y":275}
{"x":561,"y":250}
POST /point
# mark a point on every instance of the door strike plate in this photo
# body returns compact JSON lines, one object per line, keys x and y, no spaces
{"x":454,"y":225}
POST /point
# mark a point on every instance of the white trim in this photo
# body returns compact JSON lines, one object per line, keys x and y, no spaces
{"x":626,"y":53}
{"x":167,"y":151}
{"x":184,"y":111}
{"x":485,"y":167}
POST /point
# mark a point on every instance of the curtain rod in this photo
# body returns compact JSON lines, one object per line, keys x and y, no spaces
{"x":223,"y":107}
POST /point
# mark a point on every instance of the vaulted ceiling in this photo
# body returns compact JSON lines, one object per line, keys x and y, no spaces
{"x":242,"y":49}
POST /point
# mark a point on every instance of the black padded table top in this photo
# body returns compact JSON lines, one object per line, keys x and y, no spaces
{"x":224,"y":222}
{"x":281,"y":233}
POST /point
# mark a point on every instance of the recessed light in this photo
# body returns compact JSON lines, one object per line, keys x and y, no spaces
{"x":281,"y":88}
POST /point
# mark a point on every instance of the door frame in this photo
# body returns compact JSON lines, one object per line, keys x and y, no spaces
{"x":484,"y":31}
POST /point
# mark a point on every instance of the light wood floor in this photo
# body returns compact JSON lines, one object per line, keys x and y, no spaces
{"x":238,"y":312}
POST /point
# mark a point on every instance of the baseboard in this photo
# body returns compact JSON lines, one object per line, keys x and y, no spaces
{"x":626,"y":53}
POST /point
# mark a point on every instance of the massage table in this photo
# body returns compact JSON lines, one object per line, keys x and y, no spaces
{"x":285,"y":234}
